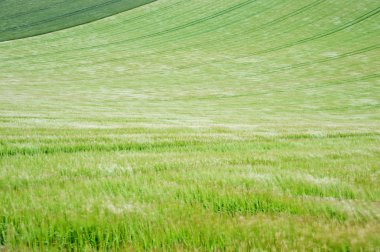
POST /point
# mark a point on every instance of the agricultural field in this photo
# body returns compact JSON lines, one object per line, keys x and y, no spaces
{"x":190,"y":125}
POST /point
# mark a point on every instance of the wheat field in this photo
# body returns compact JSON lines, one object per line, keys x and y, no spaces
{"x":190,"y":125}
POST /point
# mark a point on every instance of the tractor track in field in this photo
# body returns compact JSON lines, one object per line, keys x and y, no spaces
{"x":108,"y":27}
{"x":298,"y":11}
{"x":257,"y":53}
{"x":160,"y":33}
{"x":240,"y":39}
{"x":131,"y":131}
{"x":328,"y":59}
{"x":194,"y":10}
{"x":301,"y":41}
{"x":279,"y":20}
{"x":187,"y":36}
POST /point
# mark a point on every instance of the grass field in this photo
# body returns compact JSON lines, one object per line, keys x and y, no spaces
{"x":21,"y":19}
{"x":227,"y":125}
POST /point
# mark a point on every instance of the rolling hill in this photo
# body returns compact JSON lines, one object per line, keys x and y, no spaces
{"x":190,"y":125}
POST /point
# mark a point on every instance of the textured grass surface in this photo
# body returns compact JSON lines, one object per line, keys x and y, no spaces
{"x":195,"y":125}
{"x":20,"y":19}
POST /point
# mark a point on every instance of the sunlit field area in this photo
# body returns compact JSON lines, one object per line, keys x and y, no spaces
{"x":190,"y":125}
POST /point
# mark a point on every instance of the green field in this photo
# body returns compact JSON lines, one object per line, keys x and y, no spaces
{"x":21,"y":19}
{"x":223,"y":125}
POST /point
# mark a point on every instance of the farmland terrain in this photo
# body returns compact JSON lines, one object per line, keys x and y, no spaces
{"x":190,"y":125}
{"x":20,"y":19}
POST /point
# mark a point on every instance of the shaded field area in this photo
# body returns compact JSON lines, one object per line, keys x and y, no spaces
{"x":191,"y":125}
{"x":20,"y":19}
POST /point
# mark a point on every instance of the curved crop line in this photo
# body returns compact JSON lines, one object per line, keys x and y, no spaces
{"x":291,"y":14}
{"x":197,"y":33}
{"x":61,"y":17}
{"x":79,"y":57}
{"x":268,"y":24}
{"x":302,"y":41}
{"x":304,"y":64}
{"x":108,"y":27}
{"x":274,"y":36}
{"x":247,"y":55}
{"x":195,"y":22}
{"x":284,"y":68}
{"x":193,"y":10}
{"x":347,"y":25}
{"x":279,"y":20}
{"x":209,"y":30}
{"x":210,"y":42}
{"x":298,"y":11}
{"x":275,"y":70}
{"x":115,"y":28}
{"x":83,"y":48}
{"x":341,"y":56}
{"x":204,"y":19}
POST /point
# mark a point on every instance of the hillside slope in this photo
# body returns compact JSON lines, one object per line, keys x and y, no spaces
{"x":250,"y":61}
{"x":20,"y":19}
{"x":216,"y":125}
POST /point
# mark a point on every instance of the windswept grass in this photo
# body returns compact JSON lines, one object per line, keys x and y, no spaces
{"x":229,"y":125}
{"x":186,"y":189}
